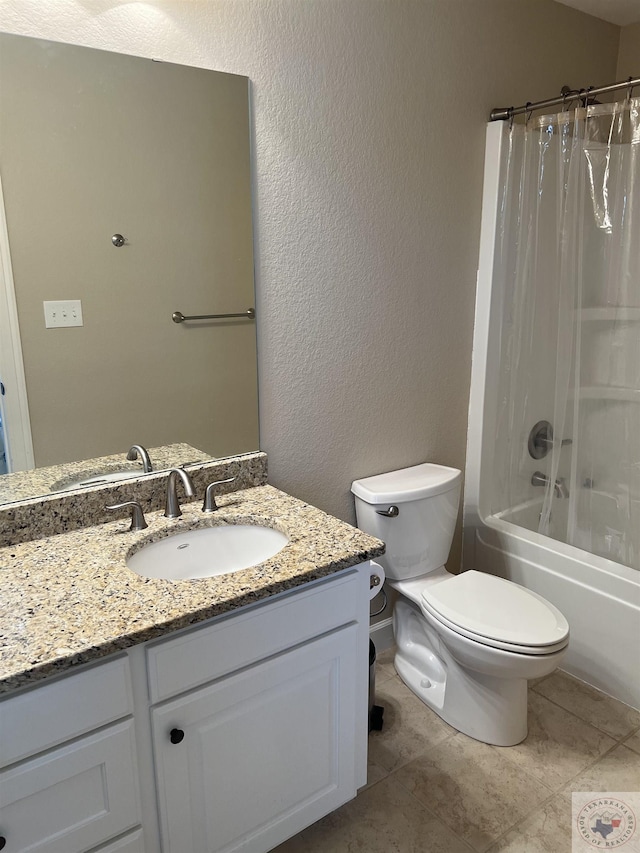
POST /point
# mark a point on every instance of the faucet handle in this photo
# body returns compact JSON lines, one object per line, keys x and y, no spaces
{"x":210,"y":504}
{"x":138,"y":521}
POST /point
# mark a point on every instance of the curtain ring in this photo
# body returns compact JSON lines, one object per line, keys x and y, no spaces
{"x":568,"y":97}
{"x":527,"y":114}
{"x":511,"y":118}
{"x":629,"y":89}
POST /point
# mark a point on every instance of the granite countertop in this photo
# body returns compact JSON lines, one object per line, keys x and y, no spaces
{"x":62,"y":512}
{"x":69,"y":599}
{"x":24,"y":485}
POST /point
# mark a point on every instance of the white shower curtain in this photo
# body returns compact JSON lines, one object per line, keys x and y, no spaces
{"x":568,"y":268}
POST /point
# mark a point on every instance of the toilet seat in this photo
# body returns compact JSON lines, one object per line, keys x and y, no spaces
{"x":497,"y":613}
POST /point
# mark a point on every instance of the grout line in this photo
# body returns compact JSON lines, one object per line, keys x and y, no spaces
{"x":580,"y":681}
{"x":573,"y":714}
{"x":582,"y":719}
{"x":504,"y":750}
{"x":586,"y":767}
{"x":424,"y":806}
{"x":589,"y":767}
{"x":540,"y":680}
{"x":623,"y":742}
{"x":551,"y":792}
{"x":526,"y":817}
{"x":563,"y":790}
{"x":552,"y":795}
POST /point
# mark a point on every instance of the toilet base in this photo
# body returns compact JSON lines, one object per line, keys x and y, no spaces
{"x":488,"y":708}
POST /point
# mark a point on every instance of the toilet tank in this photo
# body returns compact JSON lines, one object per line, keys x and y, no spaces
{"x":418,"y":538}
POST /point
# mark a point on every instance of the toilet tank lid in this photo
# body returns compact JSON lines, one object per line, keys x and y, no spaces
{"x":408,"y":484}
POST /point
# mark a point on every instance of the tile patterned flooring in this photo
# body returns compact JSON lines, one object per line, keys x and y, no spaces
{"x":431,"y":789}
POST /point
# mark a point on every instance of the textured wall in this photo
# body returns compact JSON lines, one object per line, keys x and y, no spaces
{"x":629,"y":56}
{"x":369,"y":120}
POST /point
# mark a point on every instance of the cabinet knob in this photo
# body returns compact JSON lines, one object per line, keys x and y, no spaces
{"x":175,"y":736}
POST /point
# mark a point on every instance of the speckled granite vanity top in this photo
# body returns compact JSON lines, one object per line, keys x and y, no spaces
{"x":69,"y":599}
{"x":43,"y":481}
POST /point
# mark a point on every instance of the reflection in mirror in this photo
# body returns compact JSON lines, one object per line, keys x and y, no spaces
{"x":94,"y":145}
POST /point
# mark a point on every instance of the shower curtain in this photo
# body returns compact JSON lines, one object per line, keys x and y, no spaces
{"x":568,"y":272}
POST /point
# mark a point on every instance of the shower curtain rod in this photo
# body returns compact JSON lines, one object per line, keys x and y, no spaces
{"x":568,"y":95}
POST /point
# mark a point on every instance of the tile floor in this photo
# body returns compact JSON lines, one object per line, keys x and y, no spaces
{"x":433,"y":790}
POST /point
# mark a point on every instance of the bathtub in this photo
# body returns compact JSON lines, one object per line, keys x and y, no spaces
{"x":599,"y":597}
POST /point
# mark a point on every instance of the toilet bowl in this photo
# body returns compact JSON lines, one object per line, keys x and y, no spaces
{"x":466,"y":644}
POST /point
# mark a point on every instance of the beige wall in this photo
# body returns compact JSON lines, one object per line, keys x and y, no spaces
{"x":369,"y":121}
{"x":95,"y":143}
{"x":629,"y":55}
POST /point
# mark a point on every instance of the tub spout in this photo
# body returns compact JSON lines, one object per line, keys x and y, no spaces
{"x":560,"y":488}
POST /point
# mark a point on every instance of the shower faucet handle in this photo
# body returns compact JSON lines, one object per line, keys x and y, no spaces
{"x":541,"y":440}
{"x":392,"y":512}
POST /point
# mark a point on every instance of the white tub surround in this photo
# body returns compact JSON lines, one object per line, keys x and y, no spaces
{"x":503,"y":509}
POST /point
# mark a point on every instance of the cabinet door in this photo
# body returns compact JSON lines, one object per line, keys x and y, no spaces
{"x":132,"y":842}
{"x":74,"y":797}
{"x":260,"y":754}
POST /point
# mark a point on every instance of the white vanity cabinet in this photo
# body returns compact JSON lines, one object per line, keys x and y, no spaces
{"x":257,"y":756}
{"x":248,"y":728}
{"x":252,"y":757}
{"x":69,"y":781}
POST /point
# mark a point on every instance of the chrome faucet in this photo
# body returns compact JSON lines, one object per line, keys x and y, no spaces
{"x":560,"y":488}
{"x":172,"y":508}
{"x":139,"y":450}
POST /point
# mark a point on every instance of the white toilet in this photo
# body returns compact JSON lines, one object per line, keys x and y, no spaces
{"x":466,"y":644}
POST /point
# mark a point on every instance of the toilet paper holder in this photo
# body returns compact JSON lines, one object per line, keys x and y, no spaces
{"x":376,"y":583}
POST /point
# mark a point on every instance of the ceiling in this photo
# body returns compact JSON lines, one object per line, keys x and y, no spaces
{"x":621,"y":12}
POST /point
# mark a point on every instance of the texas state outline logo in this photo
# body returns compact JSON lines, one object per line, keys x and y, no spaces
{"x":605,"y":821}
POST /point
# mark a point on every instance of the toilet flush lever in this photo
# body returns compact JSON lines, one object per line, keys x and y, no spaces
{"x":392,"y":512}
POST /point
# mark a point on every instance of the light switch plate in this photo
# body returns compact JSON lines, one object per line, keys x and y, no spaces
{"x":62,"y":314}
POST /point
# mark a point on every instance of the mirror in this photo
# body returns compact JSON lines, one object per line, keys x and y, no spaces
{"x":94,"y":145}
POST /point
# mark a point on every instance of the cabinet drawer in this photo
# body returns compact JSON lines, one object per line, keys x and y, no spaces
{"x":42,"y":718}
{"x":207,"y":653}
{"x":74,"y":797}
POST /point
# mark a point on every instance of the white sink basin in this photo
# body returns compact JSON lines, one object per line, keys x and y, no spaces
{"x":207,"y":551}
